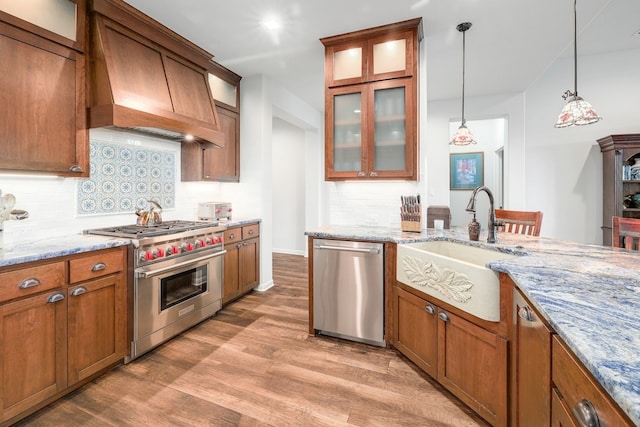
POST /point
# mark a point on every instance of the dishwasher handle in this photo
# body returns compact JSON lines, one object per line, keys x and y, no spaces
{"x":374,"y":251}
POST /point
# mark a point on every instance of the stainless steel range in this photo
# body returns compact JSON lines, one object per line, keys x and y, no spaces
{"x":178,"y":267}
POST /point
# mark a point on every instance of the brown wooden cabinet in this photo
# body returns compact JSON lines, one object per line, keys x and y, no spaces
{"x":576,"y":391}
{"x":416,"y":330}
{"x":33,"y":350}
{"x":619,"y":179}
{"x":203,"y":163}
{"x":531,"y":365}
{"x":62,"y":322}
{"x":468,"y":360}
{"x":97,"y":313}
{"x":42,"y":106}
{"x":241,"y":262}
{"x":371,"y":101}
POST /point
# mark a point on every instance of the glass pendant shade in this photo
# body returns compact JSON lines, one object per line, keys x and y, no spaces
{"x":463,"y":136}
{"x":577,"y":112}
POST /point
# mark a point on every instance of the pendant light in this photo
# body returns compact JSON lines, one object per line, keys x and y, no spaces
{"x":463,"y":135}
{"x":577,"y":111}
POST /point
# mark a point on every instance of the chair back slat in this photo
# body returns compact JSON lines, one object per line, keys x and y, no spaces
{"x":626,"y":233}
{"x":519,"y":222}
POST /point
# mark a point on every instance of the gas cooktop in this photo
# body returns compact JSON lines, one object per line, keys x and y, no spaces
{"x":134,"y":231}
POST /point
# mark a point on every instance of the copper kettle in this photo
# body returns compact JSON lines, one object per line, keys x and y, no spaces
{"x":150,"y":216}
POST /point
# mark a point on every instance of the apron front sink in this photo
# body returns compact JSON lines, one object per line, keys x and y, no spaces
{"x":454,"y":273}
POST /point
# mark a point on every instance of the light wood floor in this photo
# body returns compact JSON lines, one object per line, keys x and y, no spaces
{"x":253,"y":364}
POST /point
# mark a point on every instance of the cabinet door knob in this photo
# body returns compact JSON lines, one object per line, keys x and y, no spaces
{"x":29,"y":283}
{"x":250,"y":232}
{"x":76,"y":169}
{"x":429,"y":309}
{"x":526,"y":314}
{"x":443,"y":316}
{"x":99,"y":266}
{"x":58,"y":296}
{"x":586,"y":414}
{"x":78,"y":291}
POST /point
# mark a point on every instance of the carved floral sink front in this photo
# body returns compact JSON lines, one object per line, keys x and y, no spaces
{"x":454,"y":273}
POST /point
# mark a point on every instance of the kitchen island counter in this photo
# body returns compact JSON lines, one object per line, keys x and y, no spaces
{"x":589,"y":294}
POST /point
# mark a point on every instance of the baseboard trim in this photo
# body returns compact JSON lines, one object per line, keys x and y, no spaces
{"x":264,"y":286}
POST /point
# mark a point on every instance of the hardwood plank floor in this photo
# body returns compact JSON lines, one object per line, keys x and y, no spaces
{"x":253,"y":364}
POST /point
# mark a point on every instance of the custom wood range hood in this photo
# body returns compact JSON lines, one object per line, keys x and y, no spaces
{"x":146,"y":78}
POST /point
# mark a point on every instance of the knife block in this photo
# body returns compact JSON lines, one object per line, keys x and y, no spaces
{"x":412,"y":226}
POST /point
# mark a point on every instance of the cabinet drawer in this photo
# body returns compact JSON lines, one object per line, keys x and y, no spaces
{"x":576,"y":384}
{"x":96,"y":265}
{"x":249,"y":231}
{"x":31,"y":280}
{"x":232,"y":235}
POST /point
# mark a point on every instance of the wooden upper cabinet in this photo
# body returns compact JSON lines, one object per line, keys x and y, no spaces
{"x":205,"y":163}
{"x":61,"y":21}
{"x":379,"y":53}
{"x":42,"y":105}
{"x":371,"y":103}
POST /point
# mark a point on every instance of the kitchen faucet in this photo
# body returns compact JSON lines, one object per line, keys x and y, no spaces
{"x":471,"y":207}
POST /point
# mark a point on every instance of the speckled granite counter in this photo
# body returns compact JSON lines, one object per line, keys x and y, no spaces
{"x":589,"y":294}
{"x":19,"y":253}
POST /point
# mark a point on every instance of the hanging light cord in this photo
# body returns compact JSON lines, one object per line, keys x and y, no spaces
{"x":463,"y":27}
{"x":568,"y":93}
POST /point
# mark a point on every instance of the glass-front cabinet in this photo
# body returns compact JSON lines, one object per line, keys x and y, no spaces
{"x":371,"y":103}
{"x":370,"y":133}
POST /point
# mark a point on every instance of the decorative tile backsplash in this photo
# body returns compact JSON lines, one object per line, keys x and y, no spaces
{"x":123,"y":177}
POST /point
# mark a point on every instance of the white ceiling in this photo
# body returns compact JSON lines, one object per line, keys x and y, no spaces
{"x":510,"y":45}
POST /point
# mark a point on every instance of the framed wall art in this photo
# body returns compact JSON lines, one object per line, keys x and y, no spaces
{"x":466,"y":170}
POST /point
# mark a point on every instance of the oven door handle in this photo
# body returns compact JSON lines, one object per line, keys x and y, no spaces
{"x":155,"y":272}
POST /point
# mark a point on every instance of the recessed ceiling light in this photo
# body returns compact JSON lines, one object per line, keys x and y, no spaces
{"x":271,"y":24}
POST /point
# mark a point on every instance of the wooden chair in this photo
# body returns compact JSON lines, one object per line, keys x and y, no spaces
{"x":626,"y":233}
{"x":519,"y":222}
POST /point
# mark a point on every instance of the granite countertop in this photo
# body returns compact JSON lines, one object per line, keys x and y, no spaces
{"x":589,"y":294}
{"x":11,"y":254}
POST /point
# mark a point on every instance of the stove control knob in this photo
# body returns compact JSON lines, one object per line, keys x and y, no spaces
{"x":160,"y":252}
{"x":148,"y":256}
{"x":218,"y":239}
{"x":189,"y":246}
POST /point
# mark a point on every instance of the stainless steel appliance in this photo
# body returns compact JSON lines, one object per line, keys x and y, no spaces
{"x":214,"y":211}
{"x":348,"y":290}
{"x":177,"y":269}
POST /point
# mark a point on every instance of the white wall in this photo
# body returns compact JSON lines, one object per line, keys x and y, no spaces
{"x":564,"y":166}
{"x":288,"y":188}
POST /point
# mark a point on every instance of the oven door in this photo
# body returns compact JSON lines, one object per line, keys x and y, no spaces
{"x":169,"y":293}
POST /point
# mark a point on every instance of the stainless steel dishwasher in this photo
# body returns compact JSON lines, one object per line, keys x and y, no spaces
{"x":348,"y":290}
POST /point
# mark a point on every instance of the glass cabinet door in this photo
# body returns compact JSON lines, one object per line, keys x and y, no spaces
{"x":393,"y":148}
{"x":389,"y":137}
{"x":347,"y":132}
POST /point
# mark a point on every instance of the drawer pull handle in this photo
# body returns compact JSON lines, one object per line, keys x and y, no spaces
{"x":429,"y":309}
{"x":99,"y":266}
{"x":78,"y":291}
{"x":250,"y":232}
{"x":58,"y":296}
{"x":29,"y":283}
{"x":232,"y":236}
{"x":586,"y":414}
{"x":443,"y":316}
{"x":526,"y":314}
{"x":76,"y":169}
